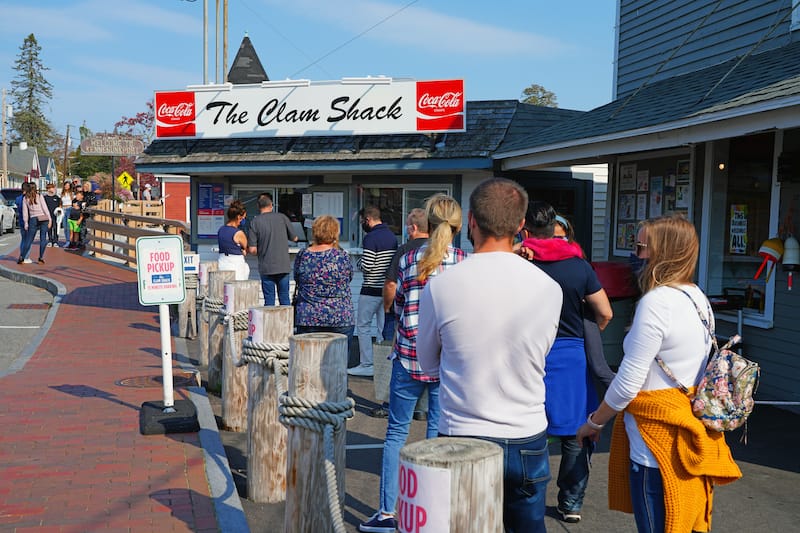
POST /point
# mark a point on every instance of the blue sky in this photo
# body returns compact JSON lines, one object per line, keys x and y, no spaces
{"x":106,"y":58}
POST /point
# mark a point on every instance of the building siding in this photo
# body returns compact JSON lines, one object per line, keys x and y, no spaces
{"x":650,"y":30}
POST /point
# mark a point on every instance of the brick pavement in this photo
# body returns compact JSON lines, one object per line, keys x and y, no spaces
{"x":71,"y":455}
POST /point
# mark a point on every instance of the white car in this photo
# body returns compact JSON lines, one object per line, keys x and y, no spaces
{"x":8,"y":216}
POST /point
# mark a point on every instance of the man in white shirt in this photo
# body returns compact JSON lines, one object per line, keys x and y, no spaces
{"x":485,"y":327}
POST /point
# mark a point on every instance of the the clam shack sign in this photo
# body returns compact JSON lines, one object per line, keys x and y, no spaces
{"x":293,"y":108}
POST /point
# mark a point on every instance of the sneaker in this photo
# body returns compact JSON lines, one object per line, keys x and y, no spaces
{"x":41,"y":261}
{"x":361,"y":370}
{"x":19,"y":261}
{"x":380,"y":412}
{"x":570,"y":517}
{"x":420,"y":415}
{"x":377,"y":525}
{"x":27,"y":261}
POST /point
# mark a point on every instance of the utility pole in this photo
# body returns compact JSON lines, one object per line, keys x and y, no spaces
{"x":225,"y":41}
{"x":4,"y":182}
{"x":205,"y":42}
{"x":66,"y":153}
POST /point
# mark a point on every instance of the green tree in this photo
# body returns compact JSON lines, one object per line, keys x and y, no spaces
{"x":30,"y":91}
{"x":538,"y":95}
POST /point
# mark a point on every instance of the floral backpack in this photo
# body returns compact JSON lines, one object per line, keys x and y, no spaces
{"x":724,"y":397}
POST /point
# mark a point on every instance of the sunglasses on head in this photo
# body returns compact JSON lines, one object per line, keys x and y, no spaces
{"x":640,"y":246}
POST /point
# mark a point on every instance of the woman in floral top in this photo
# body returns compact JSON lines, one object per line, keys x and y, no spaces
{"x":323,"y":273}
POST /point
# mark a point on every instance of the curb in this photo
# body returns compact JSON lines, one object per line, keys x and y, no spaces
{"x":228,"y":506}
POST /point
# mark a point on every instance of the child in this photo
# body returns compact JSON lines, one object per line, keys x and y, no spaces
{"x":76,"y":218}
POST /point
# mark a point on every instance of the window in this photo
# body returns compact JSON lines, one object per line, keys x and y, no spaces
{"x":396,"y":202}
{"x":741,"y":197}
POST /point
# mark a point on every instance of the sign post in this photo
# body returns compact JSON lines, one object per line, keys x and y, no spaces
{"x":159,"y":267}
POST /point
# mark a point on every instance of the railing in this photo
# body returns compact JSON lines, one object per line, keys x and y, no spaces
{"x":114,"y":233}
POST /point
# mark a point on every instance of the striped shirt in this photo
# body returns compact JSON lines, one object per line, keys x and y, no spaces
{"x":379,"y":247}
{"x":406,"y":304}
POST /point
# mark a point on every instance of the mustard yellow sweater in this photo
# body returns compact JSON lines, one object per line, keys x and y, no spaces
{"x":691,"y":458}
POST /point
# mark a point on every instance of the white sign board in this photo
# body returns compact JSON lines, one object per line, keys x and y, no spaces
{"x":424,"y":502}
{"x":191,"y":263}
{"x":294,"y":108}
{"x":159,"y":265}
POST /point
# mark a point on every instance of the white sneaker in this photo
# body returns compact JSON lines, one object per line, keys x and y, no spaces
{"x":27,"y":261}
{"x":361,"y":370}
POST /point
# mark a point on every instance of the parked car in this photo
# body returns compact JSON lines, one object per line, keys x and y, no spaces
{"x":8,"y":215}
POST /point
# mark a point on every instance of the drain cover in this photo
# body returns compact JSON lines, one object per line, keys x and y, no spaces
{"x":179,"y":379}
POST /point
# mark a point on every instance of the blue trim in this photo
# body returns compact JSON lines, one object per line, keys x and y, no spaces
{"x":475,"y":163}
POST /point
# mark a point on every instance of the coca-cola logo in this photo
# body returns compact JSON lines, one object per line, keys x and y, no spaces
{"x":449,"y":99}
{"x":175,"y":114}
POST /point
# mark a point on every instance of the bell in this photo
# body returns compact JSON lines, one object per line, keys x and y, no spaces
{"x":791,"y":257}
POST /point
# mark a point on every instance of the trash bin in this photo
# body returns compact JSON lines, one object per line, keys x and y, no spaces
{"x":619,"y":283}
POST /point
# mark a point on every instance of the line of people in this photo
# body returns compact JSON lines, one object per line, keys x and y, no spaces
{"x":507,"y":353}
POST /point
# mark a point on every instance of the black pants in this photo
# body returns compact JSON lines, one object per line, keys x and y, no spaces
{"x":52,"y":232}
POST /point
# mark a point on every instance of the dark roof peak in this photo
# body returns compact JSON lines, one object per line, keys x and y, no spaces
{"x":246,"y":67}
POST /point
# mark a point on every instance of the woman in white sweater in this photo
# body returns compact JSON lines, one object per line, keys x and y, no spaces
{"x":671,"y":320}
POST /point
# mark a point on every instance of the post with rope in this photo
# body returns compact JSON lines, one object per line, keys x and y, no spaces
{"x":187,"y":309}
{"x":239,"y":296}
{"x":215,"y":305}
{"x":206,"y":267}
{"x":267,"y":355}
{"x":314,"y":409}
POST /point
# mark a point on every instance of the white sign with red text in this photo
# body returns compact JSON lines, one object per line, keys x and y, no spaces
{"x":424,"y":502}
{"x":379,"y":106}
{"x":159,"y":266}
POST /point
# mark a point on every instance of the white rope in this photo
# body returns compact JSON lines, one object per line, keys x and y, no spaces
{"x":237,"y":321}
{"x":190,"y":281}
{"x":326,"y":418}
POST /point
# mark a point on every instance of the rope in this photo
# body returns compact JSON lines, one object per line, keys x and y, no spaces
{"x":211,"y":305}
{"x":237,"y":321}
{"x":326,"y":418}
{"x":190,"y":281}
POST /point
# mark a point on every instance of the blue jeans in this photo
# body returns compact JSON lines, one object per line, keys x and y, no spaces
{"x":526,"y":471}
{"x":34,"y":226}
{"x":268,"y":284}
{"x":404,"y":391}
{"x":647,"y":497}
{"x":67,"y":211}
{"x":368,"y":307}
{"x":573,"y":474}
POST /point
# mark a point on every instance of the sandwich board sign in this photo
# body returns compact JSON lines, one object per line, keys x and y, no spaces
{"x":159,"y":265}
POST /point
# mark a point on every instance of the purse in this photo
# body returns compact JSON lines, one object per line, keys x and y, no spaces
{"x":723,"y":399}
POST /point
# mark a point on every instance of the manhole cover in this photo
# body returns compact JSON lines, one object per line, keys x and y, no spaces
{"x":179,"y":379}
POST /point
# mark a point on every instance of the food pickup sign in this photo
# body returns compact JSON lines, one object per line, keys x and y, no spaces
{"x":159,"y":265}
{"x":293,"y":108}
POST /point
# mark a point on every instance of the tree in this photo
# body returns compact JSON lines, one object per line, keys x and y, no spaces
{"x":538,"y":95}
{"x":30,"y":91}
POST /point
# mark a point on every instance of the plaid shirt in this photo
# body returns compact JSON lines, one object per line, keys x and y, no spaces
{"x":406,"y":306}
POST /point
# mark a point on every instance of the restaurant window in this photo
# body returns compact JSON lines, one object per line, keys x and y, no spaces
{"x":649,"y":188}
{"x":741,"y":199}
{"x":396,"y":202}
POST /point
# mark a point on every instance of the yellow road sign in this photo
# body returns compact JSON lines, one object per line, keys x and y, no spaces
{"x":125,"y":180}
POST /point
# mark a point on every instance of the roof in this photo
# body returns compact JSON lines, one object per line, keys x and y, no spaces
{"x":488,"y":122}
{"x":727,"y":87}
{"x":246,"y":67}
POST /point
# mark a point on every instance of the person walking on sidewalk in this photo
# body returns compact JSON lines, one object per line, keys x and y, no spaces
{"x":408,"y":383}
{"x":485,"y":327}
{"x":35,"y":218}
{"x":23,"y":233}
{"x":66,"y":206}
{"x":53,"y":202}
{"x":379,"y":247}
{"x":269,"y":236}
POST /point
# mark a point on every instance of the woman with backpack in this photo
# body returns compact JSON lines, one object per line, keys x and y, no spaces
{"x":664,"y":462}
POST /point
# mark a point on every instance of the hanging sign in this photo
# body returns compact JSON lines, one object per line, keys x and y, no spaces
{"x":293,"y":108}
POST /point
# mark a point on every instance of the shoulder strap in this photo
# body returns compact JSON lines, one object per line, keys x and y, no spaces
{"x":707,"y":323}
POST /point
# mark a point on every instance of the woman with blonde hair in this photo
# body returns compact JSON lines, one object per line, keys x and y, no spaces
{"x":322,"y":274}
{"x":408,"y":382}
{"x":664,"y":462}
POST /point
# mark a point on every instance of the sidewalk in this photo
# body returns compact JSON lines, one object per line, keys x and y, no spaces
{"x":71,"y":455}
{"x":72,"y":458}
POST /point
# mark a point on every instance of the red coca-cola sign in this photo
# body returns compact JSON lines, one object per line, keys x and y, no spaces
{"x":440,"y":105}
{"x":175,"y":114}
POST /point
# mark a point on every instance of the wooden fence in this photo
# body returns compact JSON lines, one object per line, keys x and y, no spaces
{"x":113,"y":233}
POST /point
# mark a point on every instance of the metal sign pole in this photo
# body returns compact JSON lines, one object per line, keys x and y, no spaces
{"x":166,"y":357}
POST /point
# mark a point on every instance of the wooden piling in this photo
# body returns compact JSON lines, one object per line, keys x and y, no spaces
{"x":317,"y":373}
{"x":451,"y":484}
{"x":206,"y":267}
{"x":216,"y":327}
{"x":266,"y":436}
{"x":239,"y":296}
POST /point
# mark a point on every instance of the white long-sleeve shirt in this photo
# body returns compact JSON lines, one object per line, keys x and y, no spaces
{"x":485,"y":327}
{"x":665,"y":323}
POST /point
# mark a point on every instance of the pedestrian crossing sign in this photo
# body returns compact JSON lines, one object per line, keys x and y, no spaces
{"x":125,"y":180}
